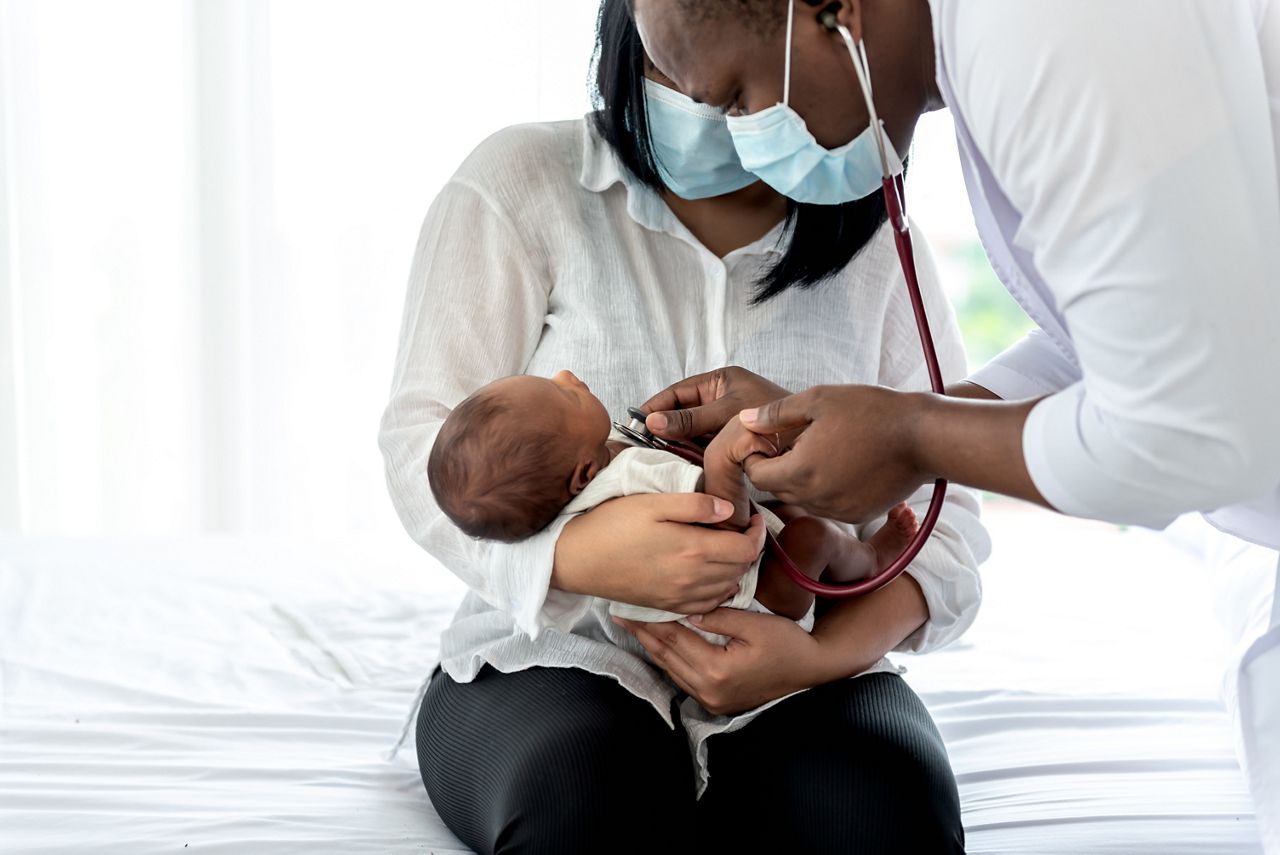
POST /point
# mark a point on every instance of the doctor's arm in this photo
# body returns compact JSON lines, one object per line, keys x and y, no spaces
{"x":1150,"y":208}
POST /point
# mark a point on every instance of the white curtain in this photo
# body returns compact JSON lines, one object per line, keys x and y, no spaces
{"x":207,"y":213}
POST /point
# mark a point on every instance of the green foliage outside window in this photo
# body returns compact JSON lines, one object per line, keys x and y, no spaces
{"x":990,"y":319}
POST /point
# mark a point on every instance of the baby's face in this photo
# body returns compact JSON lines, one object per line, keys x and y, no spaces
{"x":566,"y":406}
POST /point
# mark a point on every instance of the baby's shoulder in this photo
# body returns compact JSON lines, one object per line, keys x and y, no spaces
{"x":651,"y":470}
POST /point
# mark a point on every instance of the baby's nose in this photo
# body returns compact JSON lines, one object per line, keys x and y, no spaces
{"x":570,"y":377}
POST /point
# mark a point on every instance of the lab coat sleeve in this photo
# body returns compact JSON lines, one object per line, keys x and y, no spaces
{"x":1147,"y":185}
{"x":1032,"y":368}
{"x":947,"y":567}
{"x":474,"y":312}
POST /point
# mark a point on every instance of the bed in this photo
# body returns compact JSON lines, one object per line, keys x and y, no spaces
{"x":237,"y":695}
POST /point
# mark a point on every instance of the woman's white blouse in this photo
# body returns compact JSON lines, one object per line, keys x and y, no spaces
{"x":543,"y":253}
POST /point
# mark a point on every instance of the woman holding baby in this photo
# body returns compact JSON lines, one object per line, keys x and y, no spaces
{"x":632,"y":249}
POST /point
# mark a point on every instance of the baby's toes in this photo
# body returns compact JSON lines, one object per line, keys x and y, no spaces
{"x":904,"y":519}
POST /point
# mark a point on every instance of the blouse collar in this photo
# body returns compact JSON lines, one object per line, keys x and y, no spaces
{"x":601,"y":169}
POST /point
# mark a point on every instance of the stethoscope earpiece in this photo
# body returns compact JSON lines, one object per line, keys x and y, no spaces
{"x":827,"y":17}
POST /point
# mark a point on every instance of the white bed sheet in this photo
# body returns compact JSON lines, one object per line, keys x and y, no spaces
{"x":236,"y":695}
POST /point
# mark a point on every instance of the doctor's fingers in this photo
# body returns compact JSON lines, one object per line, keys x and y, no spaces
{"x":708,"y":401}
{"x":791,"y":477}
{"x":692,"y":422}
{"x":785,"y":414}
{"x":689,"y":392}
{"x":740,"y":444}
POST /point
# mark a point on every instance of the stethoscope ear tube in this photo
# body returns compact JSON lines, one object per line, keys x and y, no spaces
{"x":894,"y":194}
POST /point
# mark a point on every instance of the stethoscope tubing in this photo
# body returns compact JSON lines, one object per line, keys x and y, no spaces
{"x":894,"y":194}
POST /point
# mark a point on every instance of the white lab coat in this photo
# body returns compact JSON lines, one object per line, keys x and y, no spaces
{"x":1122,"y":164}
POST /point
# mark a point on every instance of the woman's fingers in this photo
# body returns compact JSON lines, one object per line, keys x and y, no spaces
{"x":717,"y":547}
{"x":690,"y":508}
{"x":730,"y":547}
{"x":734,"y":623}
{"x":680,"y":651}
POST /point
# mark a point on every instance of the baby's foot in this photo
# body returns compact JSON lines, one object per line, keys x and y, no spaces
{"x":892,"y":539}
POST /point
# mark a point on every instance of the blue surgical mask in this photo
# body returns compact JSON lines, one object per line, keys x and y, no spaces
{"x":691,"y":143}
{"x":776,"y":145}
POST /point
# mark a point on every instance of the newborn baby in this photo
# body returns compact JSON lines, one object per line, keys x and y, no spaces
{"x":524,"y":449}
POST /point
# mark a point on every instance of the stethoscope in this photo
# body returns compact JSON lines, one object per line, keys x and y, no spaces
{"x":895,"y":206}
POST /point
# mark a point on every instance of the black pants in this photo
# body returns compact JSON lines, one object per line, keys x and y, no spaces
{"x":560,"y":760}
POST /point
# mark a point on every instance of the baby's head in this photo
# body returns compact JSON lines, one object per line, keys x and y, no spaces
{"x":512,"y":455}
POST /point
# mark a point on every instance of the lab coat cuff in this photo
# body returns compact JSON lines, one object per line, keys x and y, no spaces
{"x":1063,"y":473}
{"x":1009,"y":384}
{"x":1033,"y":367}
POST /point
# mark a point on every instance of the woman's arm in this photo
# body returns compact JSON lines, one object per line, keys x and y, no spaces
{"x":475,"y":308}
{"x":770,"y":657}
{"x":476,"y":301}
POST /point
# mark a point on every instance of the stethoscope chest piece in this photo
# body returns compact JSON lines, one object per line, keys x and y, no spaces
{"x":635,"y":429}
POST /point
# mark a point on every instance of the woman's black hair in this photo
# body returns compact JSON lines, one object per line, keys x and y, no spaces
{"x":821,"y":240}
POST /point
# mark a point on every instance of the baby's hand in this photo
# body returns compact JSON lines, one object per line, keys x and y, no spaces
{"x":722,"y":469}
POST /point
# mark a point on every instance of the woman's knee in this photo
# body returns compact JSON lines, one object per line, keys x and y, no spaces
{"x":856,"y":767}
{"x":565,"y":774}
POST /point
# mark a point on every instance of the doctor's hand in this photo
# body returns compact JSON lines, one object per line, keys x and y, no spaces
{"x":853,"y":457}
{"x":852,"y":452}
{"x":768,"y":657}
{"x":699,"y":406}
{"x":653,"y":550}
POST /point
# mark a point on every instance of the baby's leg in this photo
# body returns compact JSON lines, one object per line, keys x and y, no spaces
{"x":893,"y":537}
{"x":816,"y":545}
{"x":810,"y":543}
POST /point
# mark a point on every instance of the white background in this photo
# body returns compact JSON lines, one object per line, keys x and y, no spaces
{"x":208,"y":214}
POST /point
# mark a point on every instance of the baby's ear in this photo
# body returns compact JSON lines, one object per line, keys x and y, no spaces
{"x":582,"y":475}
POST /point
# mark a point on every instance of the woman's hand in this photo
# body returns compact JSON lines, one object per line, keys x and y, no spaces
{"x":767,"y":657}
{"x":770,"y":657}
{"x":648,"y":551}
{"x":700,"y":405}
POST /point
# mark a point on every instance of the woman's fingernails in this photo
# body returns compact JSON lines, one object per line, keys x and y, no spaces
{"x":749,"y":416}
{"x":696,"y":620}
{"x":657,"y":421}
{"x":722,"y":507}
